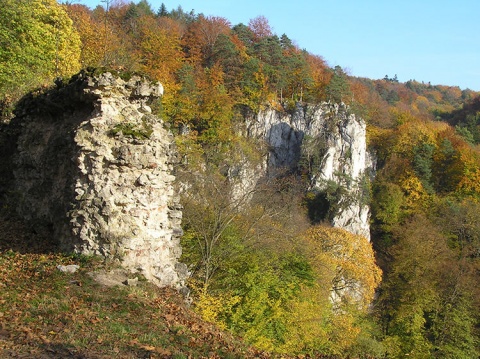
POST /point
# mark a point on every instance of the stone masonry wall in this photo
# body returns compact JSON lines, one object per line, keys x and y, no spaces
{"x":94,"y":167}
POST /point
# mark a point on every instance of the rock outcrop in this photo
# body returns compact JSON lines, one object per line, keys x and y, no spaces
{"x":94,"y":167}
{"x":89,"y":163}
{"x":329,"y":144}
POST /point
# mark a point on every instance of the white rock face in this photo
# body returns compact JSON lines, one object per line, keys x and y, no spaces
{"x":332,"y":136}
{"x":107,"y":186}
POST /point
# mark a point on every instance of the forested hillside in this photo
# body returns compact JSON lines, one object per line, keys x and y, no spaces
{"x":262,"y":266}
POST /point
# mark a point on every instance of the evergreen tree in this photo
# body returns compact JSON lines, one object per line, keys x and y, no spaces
{"x":338,"y":89}
{"x":286,"y":43}
{"x":422,"y":164}
{"x":162,"y":11}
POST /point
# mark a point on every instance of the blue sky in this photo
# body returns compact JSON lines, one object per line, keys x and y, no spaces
{"x":436,"y":41}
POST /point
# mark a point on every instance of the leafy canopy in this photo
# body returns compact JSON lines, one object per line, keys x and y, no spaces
{"x":38,"y":41}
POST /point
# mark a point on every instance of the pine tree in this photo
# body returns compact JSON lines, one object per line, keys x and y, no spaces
{"x":162,"y":11}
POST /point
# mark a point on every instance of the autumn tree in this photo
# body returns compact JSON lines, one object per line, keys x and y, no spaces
{"x":213,"y":122}
{"x":345,"y":266}
{"x":90,"y":32}
{"x":202,"y":37}
{"x":349,"y":262}
{"x":300,"y":76}
{"x":260,"y":27}
{"x":104,"y":42}
{"x":159,"y":50}
{"x":38,"y":43}
{"x":320,"y":75}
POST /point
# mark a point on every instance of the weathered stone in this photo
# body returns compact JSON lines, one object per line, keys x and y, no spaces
{"x":71,"y":268}
{"x":131,"y":282}
{"x":98,"y":173}
{"x":336,"y":137}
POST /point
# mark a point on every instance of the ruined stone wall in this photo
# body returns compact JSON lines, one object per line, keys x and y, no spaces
{"x":94,"y":167}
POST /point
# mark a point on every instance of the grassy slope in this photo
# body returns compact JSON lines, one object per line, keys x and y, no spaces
{"x":45,"y":313}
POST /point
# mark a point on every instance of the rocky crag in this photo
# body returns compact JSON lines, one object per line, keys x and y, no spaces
{"x":328,"y":145}
{"x":92,"y":166}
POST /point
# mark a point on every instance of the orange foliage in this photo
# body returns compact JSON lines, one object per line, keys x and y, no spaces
{"x":320,"y":75}
{"x":159,"y":51}
{"x":260,"y":27}
{"x":173,"y":27}
{"x":91,"y":35}
{"x":202,"y":36}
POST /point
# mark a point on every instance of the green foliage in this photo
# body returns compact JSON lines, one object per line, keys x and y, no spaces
{"x":428,"y":309}
{"x":38,"y":42}
{"x":422,"y":164}
{"x":427,"y":298}
{"x":388,"y":200}
{"x":318,"y":207}
{"x":338,"y":89}
{"x":246,"y":289}
{"x":447,"y":174}
{"x":313,"y":151}
{"x":465,"y":133}
{"x":132,"y":130}
{"x":182,"y":16}
{"x":142,"y":8}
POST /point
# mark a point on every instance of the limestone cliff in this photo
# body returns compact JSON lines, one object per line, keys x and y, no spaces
{"x":94,"y":166}
{"x":328,"y":144}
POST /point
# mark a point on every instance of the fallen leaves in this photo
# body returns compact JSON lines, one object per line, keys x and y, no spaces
{"x":45,"y":313}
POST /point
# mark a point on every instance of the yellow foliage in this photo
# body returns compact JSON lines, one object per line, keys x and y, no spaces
{"x":211,"y":307}
{"x":414,"y":133}
{"x":347,"y":259}
{"x":469,"y":183}
{"x":344,"y":332}
{"x":415,"y":193}
{"x":308,"y":322}
{"x":401,"y":117}
{"x":421,"y":103}
{"x":67,"y":59}
{"x":39,"y":43}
